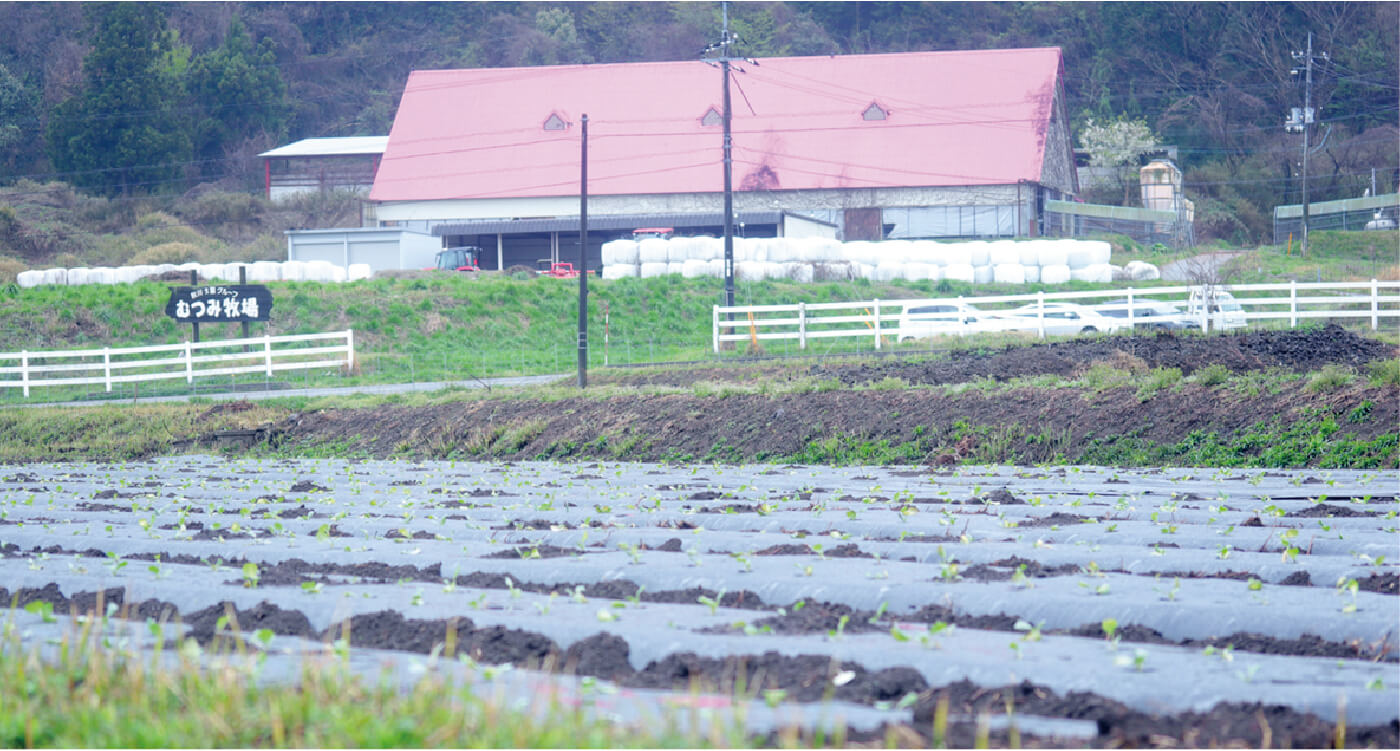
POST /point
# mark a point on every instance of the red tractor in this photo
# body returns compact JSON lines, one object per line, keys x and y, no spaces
{"x":461,"y":258}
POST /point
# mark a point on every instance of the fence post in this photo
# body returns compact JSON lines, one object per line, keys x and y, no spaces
{"x":1375,"y":304}
{"x":877,"y":323}
{"x":1132,"y":327}
{"x":24,"y":370}
{"x":1040,"y":312}
{"x":350,"y":350}
{"x":1292,"y":303}
{"x":107,"y":367}
{"x":714,"y":336}
{"x":189,"y":364}
{"x":802,"y":325}
{"x":267,"y":353}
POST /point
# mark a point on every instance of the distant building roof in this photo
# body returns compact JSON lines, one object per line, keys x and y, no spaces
{"x":347,"y":146}
{"x":855,"y":121}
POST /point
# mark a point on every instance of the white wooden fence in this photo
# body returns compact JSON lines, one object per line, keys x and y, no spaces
{"x":107,"y":366}
{"x":1371,"y":300}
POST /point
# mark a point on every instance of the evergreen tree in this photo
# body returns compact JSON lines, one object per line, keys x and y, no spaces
{"x":122,"y":132}
{"x":238,"y":94}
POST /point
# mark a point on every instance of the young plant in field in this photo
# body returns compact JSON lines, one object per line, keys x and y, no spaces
{"x":250,"y":575}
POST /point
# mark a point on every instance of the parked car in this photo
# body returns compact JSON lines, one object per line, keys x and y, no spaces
{"x":1148,"y":313}
{"x":1066,"y":318}
{"x":1220,"y":306}
{"x":945,"y":317}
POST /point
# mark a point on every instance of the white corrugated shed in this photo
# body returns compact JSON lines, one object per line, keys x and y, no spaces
{"x":348,"y":145}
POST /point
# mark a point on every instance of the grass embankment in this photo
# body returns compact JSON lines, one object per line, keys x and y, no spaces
{"x":450,"y":327}
{"x":95,"y":696}
{"x":440,"y":328}
{"x":560,"y":422}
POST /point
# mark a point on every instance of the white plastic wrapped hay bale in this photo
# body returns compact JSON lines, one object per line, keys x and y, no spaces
{"x":917,"y":271}
{"x":888,"y":271}
{"x":1100,"y":273}
{"x":750,"y":271}
{"x":1056,"y":274}
{"x":1052,"y":252}
{"x":653,"y":250}
{"x":29,"y":278}
{"x":960,"y":272}
{"x":863,"y":271}
{"x":358,"y":271}
{"x":338,"y":273}
{"x":675,"y":267}
{"x":980,"y":252}
{"x":103,"y":275}
{"x":55,"y":276}
{"x":836,"y":271}
{"x":264,"y":271}
{"x":620,"y":271}
{"x":782,"y":250}
{"x":1142,"y":271}
{"x":824,"y":250}
{"x":322,"y":271}
{"x":678,"y":250}
{"x":714,"y":267}
{"x":707,"y":248}
{"x":693,"y":268}
{"x":1028,"y":252}
{"x":856,"y":251}
{"x":798,"y":271}
{"x":127,"y":274}
{"x":651,"y":269}
{"x":1003,"y":253}
{"x":1009,"y":273}
{"x":1032,"y":274}
{"x":983,"y":274}
{"x":896,"y":251}
{"x":1119,"y":275}
{"x":293,"y":271}
{"x":619,"y":251}
{"x":76,"y":277}
{"x":1099,"y":252}
{"x":954,"y":254}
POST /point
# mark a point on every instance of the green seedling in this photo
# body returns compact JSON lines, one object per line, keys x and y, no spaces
{"x":42,"y":609}
{"x":840,"y":631}
{"x":250,"y":575}
{"x":1032,"y":631}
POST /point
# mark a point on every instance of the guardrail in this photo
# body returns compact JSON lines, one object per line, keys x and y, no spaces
{"x":880,"y":318}
{"x":107,"y":366}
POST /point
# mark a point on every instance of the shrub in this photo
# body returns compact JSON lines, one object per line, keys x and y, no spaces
{"x":1102,"y":376}
{"x":166,"y":253}
{"x":1157,"y":380}
{"x":1330,"y":378}
{"x":9,"y":269}
{"x":1385,"y":372}
{"x":1212,"y":375}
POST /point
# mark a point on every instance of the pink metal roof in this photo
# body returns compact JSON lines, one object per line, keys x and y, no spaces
{"x":954,"y":118}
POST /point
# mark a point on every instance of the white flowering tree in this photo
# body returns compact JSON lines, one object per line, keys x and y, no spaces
{"x":1117,"y":144}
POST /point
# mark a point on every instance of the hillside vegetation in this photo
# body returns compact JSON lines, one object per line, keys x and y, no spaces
{"x":156,"y":107}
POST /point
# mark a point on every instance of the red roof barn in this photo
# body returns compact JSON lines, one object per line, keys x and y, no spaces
{"x":919,"y":144}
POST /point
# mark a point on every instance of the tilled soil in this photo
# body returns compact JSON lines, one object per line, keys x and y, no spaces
{"x":1036,"y":424}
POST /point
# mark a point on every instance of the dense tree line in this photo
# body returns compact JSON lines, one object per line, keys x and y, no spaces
{"x":158,"y":97}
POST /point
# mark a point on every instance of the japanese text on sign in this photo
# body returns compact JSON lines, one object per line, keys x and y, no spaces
{"x":219,"y":303}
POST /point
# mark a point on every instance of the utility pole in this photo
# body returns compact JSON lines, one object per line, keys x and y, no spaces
{"x":724,"y":59}
{"x":583,"y":261}
{"x":1301,"y":121}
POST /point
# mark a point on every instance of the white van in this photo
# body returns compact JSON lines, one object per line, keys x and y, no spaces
{"x":1223,"y":311}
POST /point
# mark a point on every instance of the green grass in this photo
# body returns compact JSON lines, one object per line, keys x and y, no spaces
{"x":93,"y":696}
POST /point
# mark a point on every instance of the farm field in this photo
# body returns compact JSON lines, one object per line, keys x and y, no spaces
{"x":1067,"y":605}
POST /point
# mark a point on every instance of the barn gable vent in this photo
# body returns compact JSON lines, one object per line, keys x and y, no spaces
{"x":875,"y":112}
{"x":554,"y":122}
{"x":711,"y":117}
